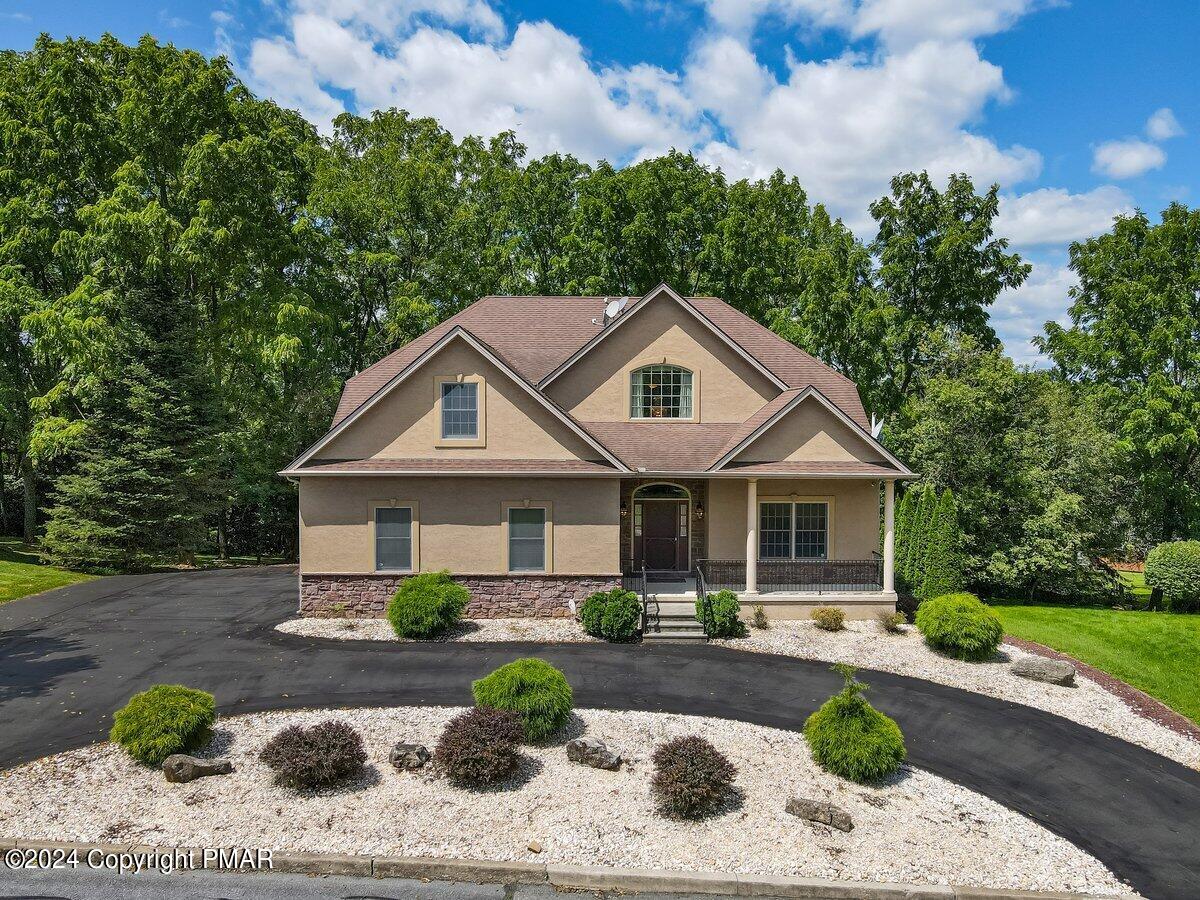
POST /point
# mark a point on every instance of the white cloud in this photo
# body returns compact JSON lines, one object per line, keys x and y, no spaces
{"x":1020,"y":314}
{"x":1056,"y":216}
{"x":1127,"y":158}
{"x":1162,"y":125}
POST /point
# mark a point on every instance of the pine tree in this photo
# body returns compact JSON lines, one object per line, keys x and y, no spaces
{"x":943,"y":559}
{"x":144,"y":484}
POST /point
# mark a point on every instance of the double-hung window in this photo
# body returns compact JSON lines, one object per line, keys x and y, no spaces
{"x":393,"y":538}
{"x":527,"y":539}
{"x":793,"y":529}
{"x":460,"y":410}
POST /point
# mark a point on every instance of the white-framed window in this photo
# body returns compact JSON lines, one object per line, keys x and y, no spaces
{"x":793,"y":529}
{"x":527,"y":539}
{"x":660,"y":392}
{"x":393,"y":538}
{"x":460,"y":410}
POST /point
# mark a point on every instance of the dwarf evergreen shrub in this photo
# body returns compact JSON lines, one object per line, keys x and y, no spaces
{"x":614,"y":615}
{"x":166,"y":719}
{"x":829,"y":618}
{"x":1174,"y":568}
{"x":851,"y":738}
{"x":425,"y":605}
{"x":534,"y":689}
{"x":960,"y":625}
{"x":724,"y":619}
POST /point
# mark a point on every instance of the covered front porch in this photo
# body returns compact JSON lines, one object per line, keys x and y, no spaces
{"x":788,"y":544}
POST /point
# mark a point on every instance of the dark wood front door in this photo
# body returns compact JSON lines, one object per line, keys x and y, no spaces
{"x":663,"y":542}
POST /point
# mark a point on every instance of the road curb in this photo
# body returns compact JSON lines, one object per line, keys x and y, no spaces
{"x":576,"y":878}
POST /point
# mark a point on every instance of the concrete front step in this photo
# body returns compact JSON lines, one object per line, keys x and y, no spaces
{"x":675,"y":634}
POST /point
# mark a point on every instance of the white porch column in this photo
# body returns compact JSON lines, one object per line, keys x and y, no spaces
{"x":752,"y":536}
{"x":889,"y":537}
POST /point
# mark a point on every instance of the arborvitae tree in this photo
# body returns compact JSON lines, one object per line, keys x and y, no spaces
{"x":922,"y":515}
{"x":904,"y":518}
{"x":943,"y":559}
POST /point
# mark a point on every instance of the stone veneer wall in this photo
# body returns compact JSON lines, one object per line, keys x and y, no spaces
{"x":492,"y":596}
{"x":697,"y":487}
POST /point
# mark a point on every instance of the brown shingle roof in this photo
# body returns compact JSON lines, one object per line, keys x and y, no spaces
{"x":460,"y":466}
{"x":663,"y":446}
{"x":748,"y":427}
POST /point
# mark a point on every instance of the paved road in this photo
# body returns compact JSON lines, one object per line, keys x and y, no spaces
{"x":69,"y":658}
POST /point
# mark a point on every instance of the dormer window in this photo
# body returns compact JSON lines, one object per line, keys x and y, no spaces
{"x":661,"y":392}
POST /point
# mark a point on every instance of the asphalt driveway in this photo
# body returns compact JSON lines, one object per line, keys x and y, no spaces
{"x":71,"y":657}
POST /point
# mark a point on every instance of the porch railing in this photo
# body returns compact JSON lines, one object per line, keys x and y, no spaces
{"x":819,"y":576}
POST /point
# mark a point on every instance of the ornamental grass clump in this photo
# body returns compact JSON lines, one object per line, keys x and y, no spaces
{"x":479,"y":747}
{"x":166,"y":719}
{"x":321,"y":755}
{"x":426,"y":605}
{"x":692,"y":778}
{"x":724,"y":620}
{"x":829,"y":618}
{"x":851,"y":738}
{"x":1174,"y":569}
{"x":614,"y":615}
{"x":533,"y":689}
{"x":961,"y":626}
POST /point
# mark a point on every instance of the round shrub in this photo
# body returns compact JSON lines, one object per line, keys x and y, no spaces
{"x":852,"y":739}
{"x":829,"y":618}
{"x":891,"y":622}
{"x":691,"y":777}
{"x":320,"y":755}
{"x":534,"y":689}
{"x":614,"y":615}
{"x":479,"y":747}
{"x":724,"y":621}
{"x":426,"y":605}
{"x":960,"y":625}
{"x":166,"y":719}
{"x":1174,"y":568}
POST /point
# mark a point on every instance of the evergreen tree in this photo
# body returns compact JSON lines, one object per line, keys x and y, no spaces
{"x":922,"y":515}
{"x":943,"y":558}
{"x":904,"y":516}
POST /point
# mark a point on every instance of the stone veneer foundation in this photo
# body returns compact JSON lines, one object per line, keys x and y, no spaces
{"x":492,"y":596}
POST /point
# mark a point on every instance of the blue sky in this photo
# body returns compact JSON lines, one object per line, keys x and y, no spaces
{"x":1078,"y":110}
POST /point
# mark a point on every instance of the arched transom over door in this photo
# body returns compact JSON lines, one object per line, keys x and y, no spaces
{"x":661,"y":527}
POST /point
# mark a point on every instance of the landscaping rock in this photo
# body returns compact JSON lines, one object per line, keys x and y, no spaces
{"x":179,"y":768}
{"x":1039,"y":668}
{"x":593,"y":752}
{"x":820,"y":812}
{"x":408,"y":756}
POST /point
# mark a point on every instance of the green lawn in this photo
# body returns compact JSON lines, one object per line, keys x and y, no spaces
{"x":1136,"y":582}
{"x":1156,"y":652}
{"x":21,"y":574}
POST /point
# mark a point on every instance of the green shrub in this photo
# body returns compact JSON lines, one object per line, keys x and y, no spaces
{"x":166,"y":719}
{"x":829,"y":618}
{"x":479,"y":747}
{"x":426,"y":605}
{"x":960,"y":625}
{"x":318,"y":756}
{"x":614,"y":615}
{"x":723,"y":621}
{"x":691,"y":777}
{"x":534,"y":689}
{"x":891,"y":622}
{"x":760,"y":621}
{"x":1174,"y":568}
{"x":850,"y":738}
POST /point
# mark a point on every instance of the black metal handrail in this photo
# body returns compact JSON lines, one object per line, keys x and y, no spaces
{"x":645,"y":603}
{"x":704,"y":602}
{"x":798,"y":575}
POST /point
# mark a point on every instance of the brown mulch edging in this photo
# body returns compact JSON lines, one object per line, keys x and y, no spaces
{"x":1139,"y":701}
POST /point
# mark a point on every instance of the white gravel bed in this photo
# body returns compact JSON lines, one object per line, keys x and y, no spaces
{"x":866,"y":644}
{"x":545,"y":631}
{"x":916,"y":828}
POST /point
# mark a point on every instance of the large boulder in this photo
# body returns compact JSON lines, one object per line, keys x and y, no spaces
{"x":593,"y":752}
{"x":820,"y":812}
{"x":408,"y":756}
{"x":179,"y":768}
{"x":1041,"y":668}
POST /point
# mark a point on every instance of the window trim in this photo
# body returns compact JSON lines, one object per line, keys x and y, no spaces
{"x":793,"y":499}
{"x":412,"y":505}
{"x":643,"y":363}
{"x":548,"y":536}
{"x":480,"y":439}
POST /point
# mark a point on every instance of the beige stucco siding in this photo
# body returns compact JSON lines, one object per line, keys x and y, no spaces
{"x":854,"y":508}
{"x":460,"y":522}
{"x":405,"y":424}
{"x":810,"y":432}
{"x":727,"y":388}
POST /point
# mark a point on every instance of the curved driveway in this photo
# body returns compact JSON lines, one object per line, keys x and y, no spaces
{"x":70,"y":657}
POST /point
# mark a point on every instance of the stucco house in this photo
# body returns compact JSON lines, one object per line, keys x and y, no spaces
{"x":542,"y":448}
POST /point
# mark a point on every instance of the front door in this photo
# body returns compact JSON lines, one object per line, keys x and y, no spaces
{"x":662,"y":544}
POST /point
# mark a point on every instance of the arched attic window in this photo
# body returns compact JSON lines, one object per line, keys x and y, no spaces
{"x":660,"y":392}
